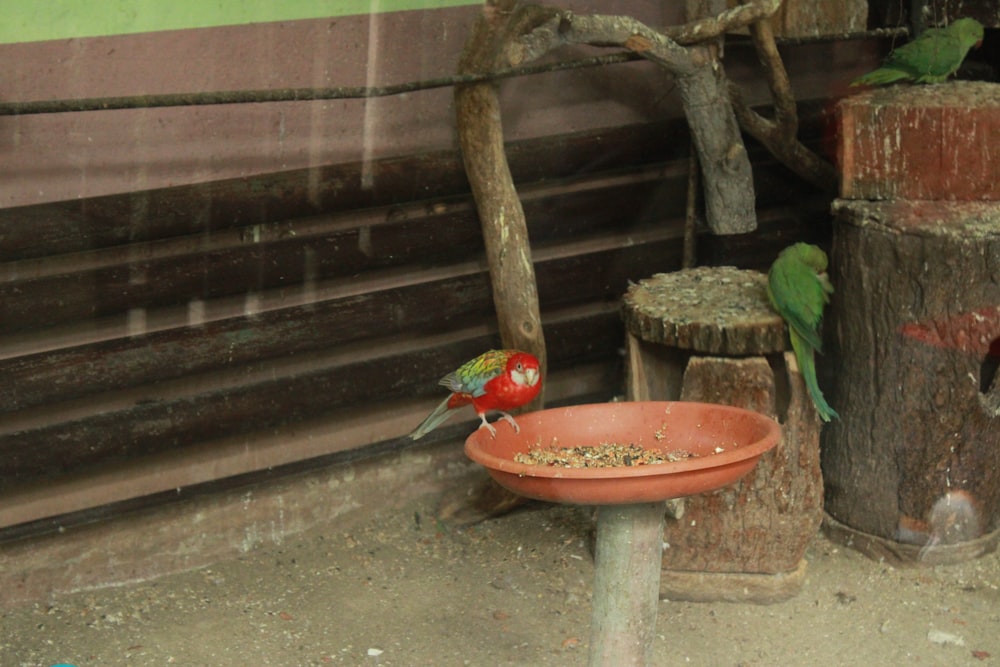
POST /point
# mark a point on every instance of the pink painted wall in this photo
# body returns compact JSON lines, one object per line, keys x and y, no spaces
{"x":66,"y":156}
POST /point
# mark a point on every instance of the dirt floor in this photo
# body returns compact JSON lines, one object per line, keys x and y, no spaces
{"x":398,"y":588}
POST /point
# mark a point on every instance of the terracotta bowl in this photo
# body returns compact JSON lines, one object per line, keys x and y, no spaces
{"x":725,"y":441}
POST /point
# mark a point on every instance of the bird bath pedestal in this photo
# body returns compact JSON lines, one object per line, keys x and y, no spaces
{"x":722,"y":444}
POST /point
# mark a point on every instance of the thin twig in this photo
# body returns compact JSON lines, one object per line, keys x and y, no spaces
{"x":682,"y":35}
{"x":298,"y":94}
{"x":690,"y":257}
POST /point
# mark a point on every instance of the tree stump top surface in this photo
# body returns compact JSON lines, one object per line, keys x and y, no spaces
{"x":713,"y":310}
{"x":965,"y":221}
{"x":961,"y":94}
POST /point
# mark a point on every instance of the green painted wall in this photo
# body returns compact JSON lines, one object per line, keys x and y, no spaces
{"x":38,"y":20}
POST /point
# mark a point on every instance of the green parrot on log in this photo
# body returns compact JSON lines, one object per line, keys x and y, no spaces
{"x":930,"y":58}
{"x":798,"y":288}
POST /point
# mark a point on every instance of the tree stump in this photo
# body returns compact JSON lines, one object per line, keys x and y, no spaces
{"x":921,"y":142}
{"x":709,"y":335}
{"x":912,"y":470}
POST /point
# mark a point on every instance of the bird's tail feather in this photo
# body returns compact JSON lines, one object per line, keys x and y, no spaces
{"x":434,"y":419}
{"x":881,"y":77}
{"x":807,"y":366}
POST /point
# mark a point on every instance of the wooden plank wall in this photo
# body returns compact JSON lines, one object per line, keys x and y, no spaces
{"x":163,"y":322}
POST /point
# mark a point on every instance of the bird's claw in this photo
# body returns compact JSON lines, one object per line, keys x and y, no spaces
{"x":492,"y":429}
{"x":488,"y":426}
{"x":507,"y":417}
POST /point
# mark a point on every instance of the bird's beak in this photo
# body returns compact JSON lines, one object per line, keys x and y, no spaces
{"x":531,"y":377}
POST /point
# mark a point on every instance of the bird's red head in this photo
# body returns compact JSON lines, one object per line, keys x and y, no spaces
{"x":523,"y":368}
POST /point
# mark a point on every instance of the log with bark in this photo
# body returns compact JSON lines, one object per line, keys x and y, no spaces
{"x":915,"y":458}
{"x":708,"y":334}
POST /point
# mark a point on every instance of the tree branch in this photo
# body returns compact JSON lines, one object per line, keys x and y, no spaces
{"x":710,"y":27}
{"x":779,"y":135}
{"x":480,"y":135}
{"x":785,"y":111}
{"x":727,"y":175}
{"x":567,"y":28}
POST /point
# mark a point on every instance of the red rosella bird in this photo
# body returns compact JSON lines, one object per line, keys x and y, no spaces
{"x":498,"y":380}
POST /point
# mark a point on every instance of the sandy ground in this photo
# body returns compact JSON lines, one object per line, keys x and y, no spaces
{"x":398,"y":589}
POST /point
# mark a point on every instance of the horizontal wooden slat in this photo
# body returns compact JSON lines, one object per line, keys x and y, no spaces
{"x":100,"y":222}
{"x":152,"y":325}
{"x":337,"y":437}
{"x":588,"y":270}
{"x":124,"y":362}
{"x":170,"y":415}
{"x":303,"y":252}
{"x":300,"y":254}
{"x":136,"y":419}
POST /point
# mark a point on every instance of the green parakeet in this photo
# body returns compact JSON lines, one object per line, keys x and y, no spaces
{"x":930,"y":58}
{"x":798,"y":289}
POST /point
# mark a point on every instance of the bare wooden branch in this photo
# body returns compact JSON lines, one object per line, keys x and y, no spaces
{"x":602,"y":30}
{"x":480,"y":134}
{"x":710,"y":27}
{"x":511,"y":33}
{"x":785,"y":112}
{"x":727,"y":175}
{"x":780,"y":134}
{"x":792,"y":153}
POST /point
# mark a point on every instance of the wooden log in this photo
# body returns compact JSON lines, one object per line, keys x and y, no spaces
{"x":715,"y":310}
{"x":763,"y":523}
{"x":898,"y":553}
{"x":505,"y":230}
{"x":708,"y":334}
{"x":917,"y":344}
{"x":921,"y":142}
{"x":626,"y":577}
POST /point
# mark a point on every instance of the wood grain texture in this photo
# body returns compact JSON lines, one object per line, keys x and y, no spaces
{"x":711,"y":310}
{"x":921,"y":142}
{"x":251,"y":306}
{"x":918,"y":319}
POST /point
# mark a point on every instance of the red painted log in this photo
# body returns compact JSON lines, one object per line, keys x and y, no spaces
{"x":921,"y":142}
